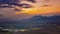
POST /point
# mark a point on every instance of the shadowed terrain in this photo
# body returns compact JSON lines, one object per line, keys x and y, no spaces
{"x":47,"y":29}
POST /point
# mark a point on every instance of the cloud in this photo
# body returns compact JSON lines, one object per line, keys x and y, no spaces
{"x":10,"y":2}
{"x":1,"y":15}
{"x":46,"y":0}
{"x":45,"y":5}
{"x":26,"y":6}
{"x":32,"y":1}
{"x":13,"y":2}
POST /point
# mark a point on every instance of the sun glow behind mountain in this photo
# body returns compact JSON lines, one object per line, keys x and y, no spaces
{"x":40,"y":7}
{"x":49,"y":7}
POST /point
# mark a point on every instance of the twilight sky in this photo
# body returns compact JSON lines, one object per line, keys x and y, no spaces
{"x":40,"y":7}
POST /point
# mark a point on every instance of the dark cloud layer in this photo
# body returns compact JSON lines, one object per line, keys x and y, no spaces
{"x":32,"y":1}
{"x":45,"y":5}
{"x":1,"y":14}
{"x":13,"y":2}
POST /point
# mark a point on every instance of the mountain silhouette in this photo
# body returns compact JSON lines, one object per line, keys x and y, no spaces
{"x":46,"y":19}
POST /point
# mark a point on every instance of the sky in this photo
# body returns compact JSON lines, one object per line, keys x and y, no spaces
{"x":42,"y":7}
{"x":39,"y":7}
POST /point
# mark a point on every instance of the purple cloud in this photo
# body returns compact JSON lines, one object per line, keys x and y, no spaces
{"x":32,"y":1}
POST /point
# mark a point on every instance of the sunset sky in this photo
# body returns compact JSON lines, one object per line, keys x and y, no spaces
{"x":40,"y":7}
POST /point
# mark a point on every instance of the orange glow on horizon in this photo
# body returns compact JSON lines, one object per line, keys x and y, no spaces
{"x":41,"y":10}
{"x":42,"y":7}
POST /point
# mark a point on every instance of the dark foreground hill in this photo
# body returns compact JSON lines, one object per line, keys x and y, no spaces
{"x":47,"y":29}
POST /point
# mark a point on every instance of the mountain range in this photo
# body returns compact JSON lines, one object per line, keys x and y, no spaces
{"x":34,"y":21}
